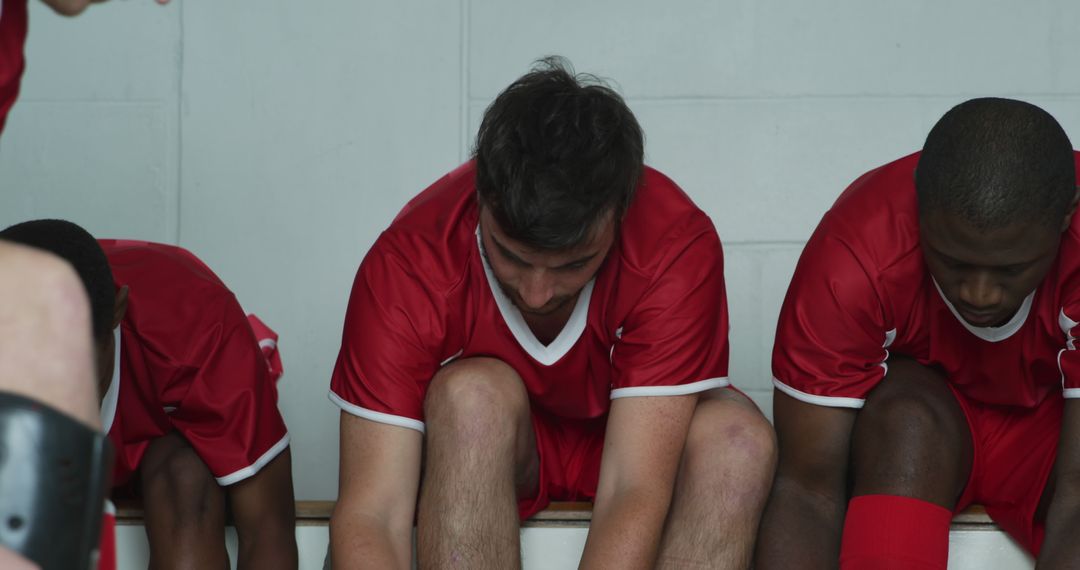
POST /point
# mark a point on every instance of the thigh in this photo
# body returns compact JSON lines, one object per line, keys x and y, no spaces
{"x":184,"y":507}
{"x":912,"y":437}
{"x":471,"y":395}
{"x":175,"y":479}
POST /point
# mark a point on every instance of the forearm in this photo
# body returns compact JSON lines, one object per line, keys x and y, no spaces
{"x":1061,"y":549}
{"x":625,"y":531}
{"x":800,"y":529}
{"x":67,"y":7}
{"x":363,"y":542}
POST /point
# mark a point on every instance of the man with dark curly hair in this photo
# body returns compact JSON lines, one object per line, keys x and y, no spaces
{"x":546,"y":322}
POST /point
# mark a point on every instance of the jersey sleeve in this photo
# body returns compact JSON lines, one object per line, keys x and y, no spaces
{"x":831,"y":341}
{"x":675,"y":340}
{"x":229,"y":412}
{"x":390,"y":346}
{"x":1069,"y":358}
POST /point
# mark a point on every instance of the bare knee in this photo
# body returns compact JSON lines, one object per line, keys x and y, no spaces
{"x":911,"y":439}
{"x":730,"y":442}
{"x":173,"y":474}
{"x":901,"y":416}
{"x":475,"y":398}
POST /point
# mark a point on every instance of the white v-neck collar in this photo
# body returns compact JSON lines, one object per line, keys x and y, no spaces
{"x":568,"y":336}
{"x":992,"y":334}
{"x":112,"y":396}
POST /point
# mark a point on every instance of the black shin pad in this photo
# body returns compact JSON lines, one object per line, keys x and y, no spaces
{"x":54,"y":474}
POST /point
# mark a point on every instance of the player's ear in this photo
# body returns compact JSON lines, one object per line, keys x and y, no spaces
{"x":120,"y":305}
{"x":1072,"y":210}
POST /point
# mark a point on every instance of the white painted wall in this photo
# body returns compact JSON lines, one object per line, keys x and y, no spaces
{"x":276,"y":139}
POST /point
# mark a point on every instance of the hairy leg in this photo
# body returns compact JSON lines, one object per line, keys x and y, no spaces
{"x":184,"y":506}
{"x":724,"y":479}
{"x":480,"y":454}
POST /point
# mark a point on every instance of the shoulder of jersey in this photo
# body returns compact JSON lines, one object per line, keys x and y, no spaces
{"x":161,"y":267}
{"x":878,"y":212}
{"x":660,"y":222}
{"x":434,"y":235}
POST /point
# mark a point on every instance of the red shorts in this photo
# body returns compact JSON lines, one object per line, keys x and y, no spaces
{"x":1013,"y":453}
{"x":569,"y":453}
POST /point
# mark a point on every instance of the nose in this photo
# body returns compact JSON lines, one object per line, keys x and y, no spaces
{"x":536,"y":289}
{"x":981,"y":291}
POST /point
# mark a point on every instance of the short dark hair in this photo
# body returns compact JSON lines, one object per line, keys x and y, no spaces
{"x":555,"y":153}
{"x":995,"y":162}
{"x":76,"y":246}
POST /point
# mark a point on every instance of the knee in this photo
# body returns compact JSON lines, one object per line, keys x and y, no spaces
{"x":893,"y":415}
{"x":731,"y":442}
{"x":476,"y":396}
{"x":173,"y":470}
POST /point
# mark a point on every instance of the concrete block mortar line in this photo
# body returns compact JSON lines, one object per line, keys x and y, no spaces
{"x":684,"y":99}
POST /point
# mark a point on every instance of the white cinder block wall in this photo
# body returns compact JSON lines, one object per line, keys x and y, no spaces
{"x":276,"y":139}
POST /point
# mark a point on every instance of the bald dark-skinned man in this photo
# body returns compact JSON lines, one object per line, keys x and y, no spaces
{"x":925,"y":355}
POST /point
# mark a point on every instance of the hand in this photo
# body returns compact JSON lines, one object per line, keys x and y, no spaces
{"x":75,"y":7}
{"x":12,"y":561}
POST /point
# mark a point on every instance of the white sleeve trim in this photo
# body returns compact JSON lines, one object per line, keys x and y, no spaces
{"x":680,"y":390}
{"x":241,"y":474}
{"x":1071,"y":392}
{"x":374,"y":416}
{"x":830,"y":401}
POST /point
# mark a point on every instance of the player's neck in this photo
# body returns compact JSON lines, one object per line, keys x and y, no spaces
{"x":546,"y":328}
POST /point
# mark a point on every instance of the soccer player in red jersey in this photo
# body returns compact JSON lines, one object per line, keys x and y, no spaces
{"x":925,"y":355}
{"x":189,"y":403}
{"x":546,"y":322}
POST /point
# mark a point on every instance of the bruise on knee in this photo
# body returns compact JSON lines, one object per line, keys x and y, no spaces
{"x":726,"y":441}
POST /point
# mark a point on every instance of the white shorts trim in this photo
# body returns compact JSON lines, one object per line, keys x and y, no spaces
{"x":680,"y":390}
{"x":830,"y":401}
{"x":1071,"y":392}
{"x":374,"y":416}
{"x":241,"y":474}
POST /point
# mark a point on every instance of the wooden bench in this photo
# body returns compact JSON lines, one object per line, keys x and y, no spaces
{"x":559,"y":514}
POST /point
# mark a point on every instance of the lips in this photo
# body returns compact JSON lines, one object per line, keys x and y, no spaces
{"x":980,"y":318}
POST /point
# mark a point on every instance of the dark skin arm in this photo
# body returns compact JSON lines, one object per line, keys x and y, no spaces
{"x":265,"y":516}
{"x":804,"y":518}
{"x":1061,"y":549}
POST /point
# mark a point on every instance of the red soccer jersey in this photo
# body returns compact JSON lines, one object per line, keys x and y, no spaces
{"x":12,"y":37}
{"x":862,"y":289}
{"x":187,"y":360}
{"x":653,"y":321}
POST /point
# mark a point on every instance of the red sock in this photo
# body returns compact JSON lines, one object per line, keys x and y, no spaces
{"x":887,"y":532}
{"x":107,"y":546}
